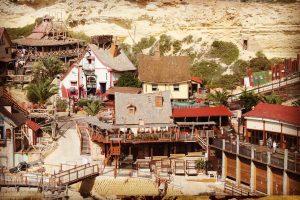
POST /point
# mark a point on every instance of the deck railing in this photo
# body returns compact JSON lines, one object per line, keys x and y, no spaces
{"x":276,"y":161}
{"x":76,"y":174}
{"x":156,"y":136}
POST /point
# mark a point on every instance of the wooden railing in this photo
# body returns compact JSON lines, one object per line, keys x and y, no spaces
{"x":76,"y":174}
{"x":143,"y":137}
{"x":61,"y":53}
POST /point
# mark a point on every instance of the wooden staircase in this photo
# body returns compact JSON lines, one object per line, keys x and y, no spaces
{"x":202,"y":142}
{"x":114,"y":151}
{"x":4,"y":93}
{"x":85,"y":145}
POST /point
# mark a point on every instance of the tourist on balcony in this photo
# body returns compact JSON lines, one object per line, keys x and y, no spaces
{"x":269,"y":143}
{"x":274,"y":146}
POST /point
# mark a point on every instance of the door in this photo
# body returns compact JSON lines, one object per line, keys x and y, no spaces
{"x":102,"y":88}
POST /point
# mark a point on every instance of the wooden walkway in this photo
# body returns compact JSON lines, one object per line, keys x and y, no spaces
{"x":54,"y":182}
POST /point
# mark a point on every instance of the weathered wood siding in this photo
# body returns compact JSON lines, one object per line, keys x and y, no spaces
{"x":261,"y":178}
{"x":245,"y":171}
{"x":231,"y":166}
{"x":294,"y":184}
{"x":277,"y":181}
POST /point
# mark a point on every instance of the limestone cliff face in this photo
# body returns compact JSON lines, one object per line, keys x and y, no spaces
{"x":273,"y":28}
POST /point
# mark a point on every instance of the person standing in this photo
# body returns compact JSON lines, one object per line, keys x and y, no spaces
{"x":270,"y":143}
{"x":274,"y":146}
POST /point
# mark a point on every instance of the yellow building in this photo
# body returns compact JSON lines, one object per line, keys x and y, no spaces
{"x":165,"y":73}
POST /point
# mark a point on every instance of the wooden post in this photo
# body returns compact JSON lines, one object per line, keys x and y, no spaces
{"x":264,"y":133}
{"x":281,"y":136}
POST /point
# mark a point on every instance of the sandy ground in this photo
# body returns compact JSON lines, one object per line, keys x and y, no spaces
{"x":67,"y":152}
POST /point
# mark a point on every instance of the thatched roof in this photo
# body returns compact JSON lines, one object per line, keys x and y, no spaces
{"x":163,"y":69}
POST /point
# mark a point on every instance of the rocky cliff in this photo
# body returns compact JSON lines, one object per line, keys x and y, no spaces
{"x":271,"y":27}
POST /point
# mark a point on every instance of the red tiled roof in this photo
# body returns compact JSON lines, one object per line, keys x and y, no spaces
{"x":201,"y":112}
{"x":32,"y":125}
{"x":282,"y":113}
{"x":197,"y":79}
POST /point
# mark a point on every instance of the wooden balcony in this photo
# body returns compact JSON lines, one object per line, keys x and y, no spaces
{"x":260,"y":154}
{"x":38,"y":54}
{"x":155,"y":137}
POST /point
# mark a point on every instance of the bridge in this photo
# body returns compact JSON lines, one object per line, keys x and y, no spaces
{"x":54,"y":182}
{"x":271,"y":86}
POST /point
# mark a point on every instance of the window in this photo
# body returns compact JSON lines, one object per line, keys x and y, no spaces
{"x":154,"y":87}
{"x":176,"y":87}
{"x":73,"y":83}
{"x":131,"y":109}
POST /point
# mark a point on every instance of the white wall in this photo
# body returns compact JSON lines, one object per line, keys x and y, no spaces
{"x":254,"y":124}
{"x":273,"y":126}
{"x":289,"y":130}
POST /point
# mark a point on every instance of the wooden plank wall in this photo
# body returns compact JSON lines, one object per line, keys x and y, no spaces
{"x":277,"y":181}
{"x":294,"y":184}
{"x":231,"y":166}
{"x":261,"y":178}
{"x":245,"y":170}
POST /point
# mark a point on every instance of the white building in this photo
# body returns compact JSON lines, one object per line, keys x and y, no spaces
{"x":98,"y":70}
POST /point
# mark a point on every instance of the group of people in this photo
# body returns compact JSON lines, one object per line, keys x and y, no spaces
{"x":271,"y":144}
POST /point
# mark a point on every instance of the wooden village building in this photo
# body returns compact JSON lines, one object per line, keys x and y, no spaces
{"x":167,"y":73}
{"x":7,"y":61}
{"x":49,"y":39}
{"x":17,"y":133}
{"x":97,"y":71}
{"x":254,"y":164}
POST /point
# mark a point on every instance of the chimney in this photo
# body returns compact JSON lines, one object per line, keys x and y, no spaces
{"x":114,"y":50}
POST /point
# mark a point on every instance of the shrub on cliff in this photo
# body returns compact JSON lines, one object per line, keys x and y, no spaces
{"x":226,"y":51}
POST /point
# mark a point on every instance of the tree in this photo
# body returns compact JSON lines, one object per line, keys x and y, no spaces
{"x":165,"y":44}
{"x":249,"y":100}
{"x":41,"y":91}
{"x":129,"y":79}
{"x":48,"y":68}
{"x":260,"y":64}
{"x":228,"y":82}
{"x":144,"y":43}
{"x":219,"y":98}
{"x":272,"y":99}
{"x":92,"y":108}
{"x":226,"y":51}
{"x":210,"y":72}
{"x":239,"y":68}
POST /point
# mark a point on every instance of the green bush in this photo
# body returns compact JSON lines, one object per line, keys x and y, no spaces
{"x":61,"y":104}
{"x":144,"y":43}
{"x":188,"y":39}
{"x":176,"y":46}
{"x":239,"y":68}
{"x":129,"y":79}
{"x":228,"y":82}
{"x":200,"y":164}
{"x":260,"y":64}
{"x":210,"y":72}
{"x":80,"y":35}
{"x":84,"y":102}
{"x":226,"y":51}
{"x":165,"y":43}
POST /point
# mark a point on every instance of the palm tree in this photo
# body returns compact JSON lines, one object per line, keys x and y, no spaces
{"x":219,"y":98}
{"x":272,"y":99}
{"x":249,"y":100}
{"x":41,"y":91}
{"x":92,"y":108}
{"x":48,"y":68}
